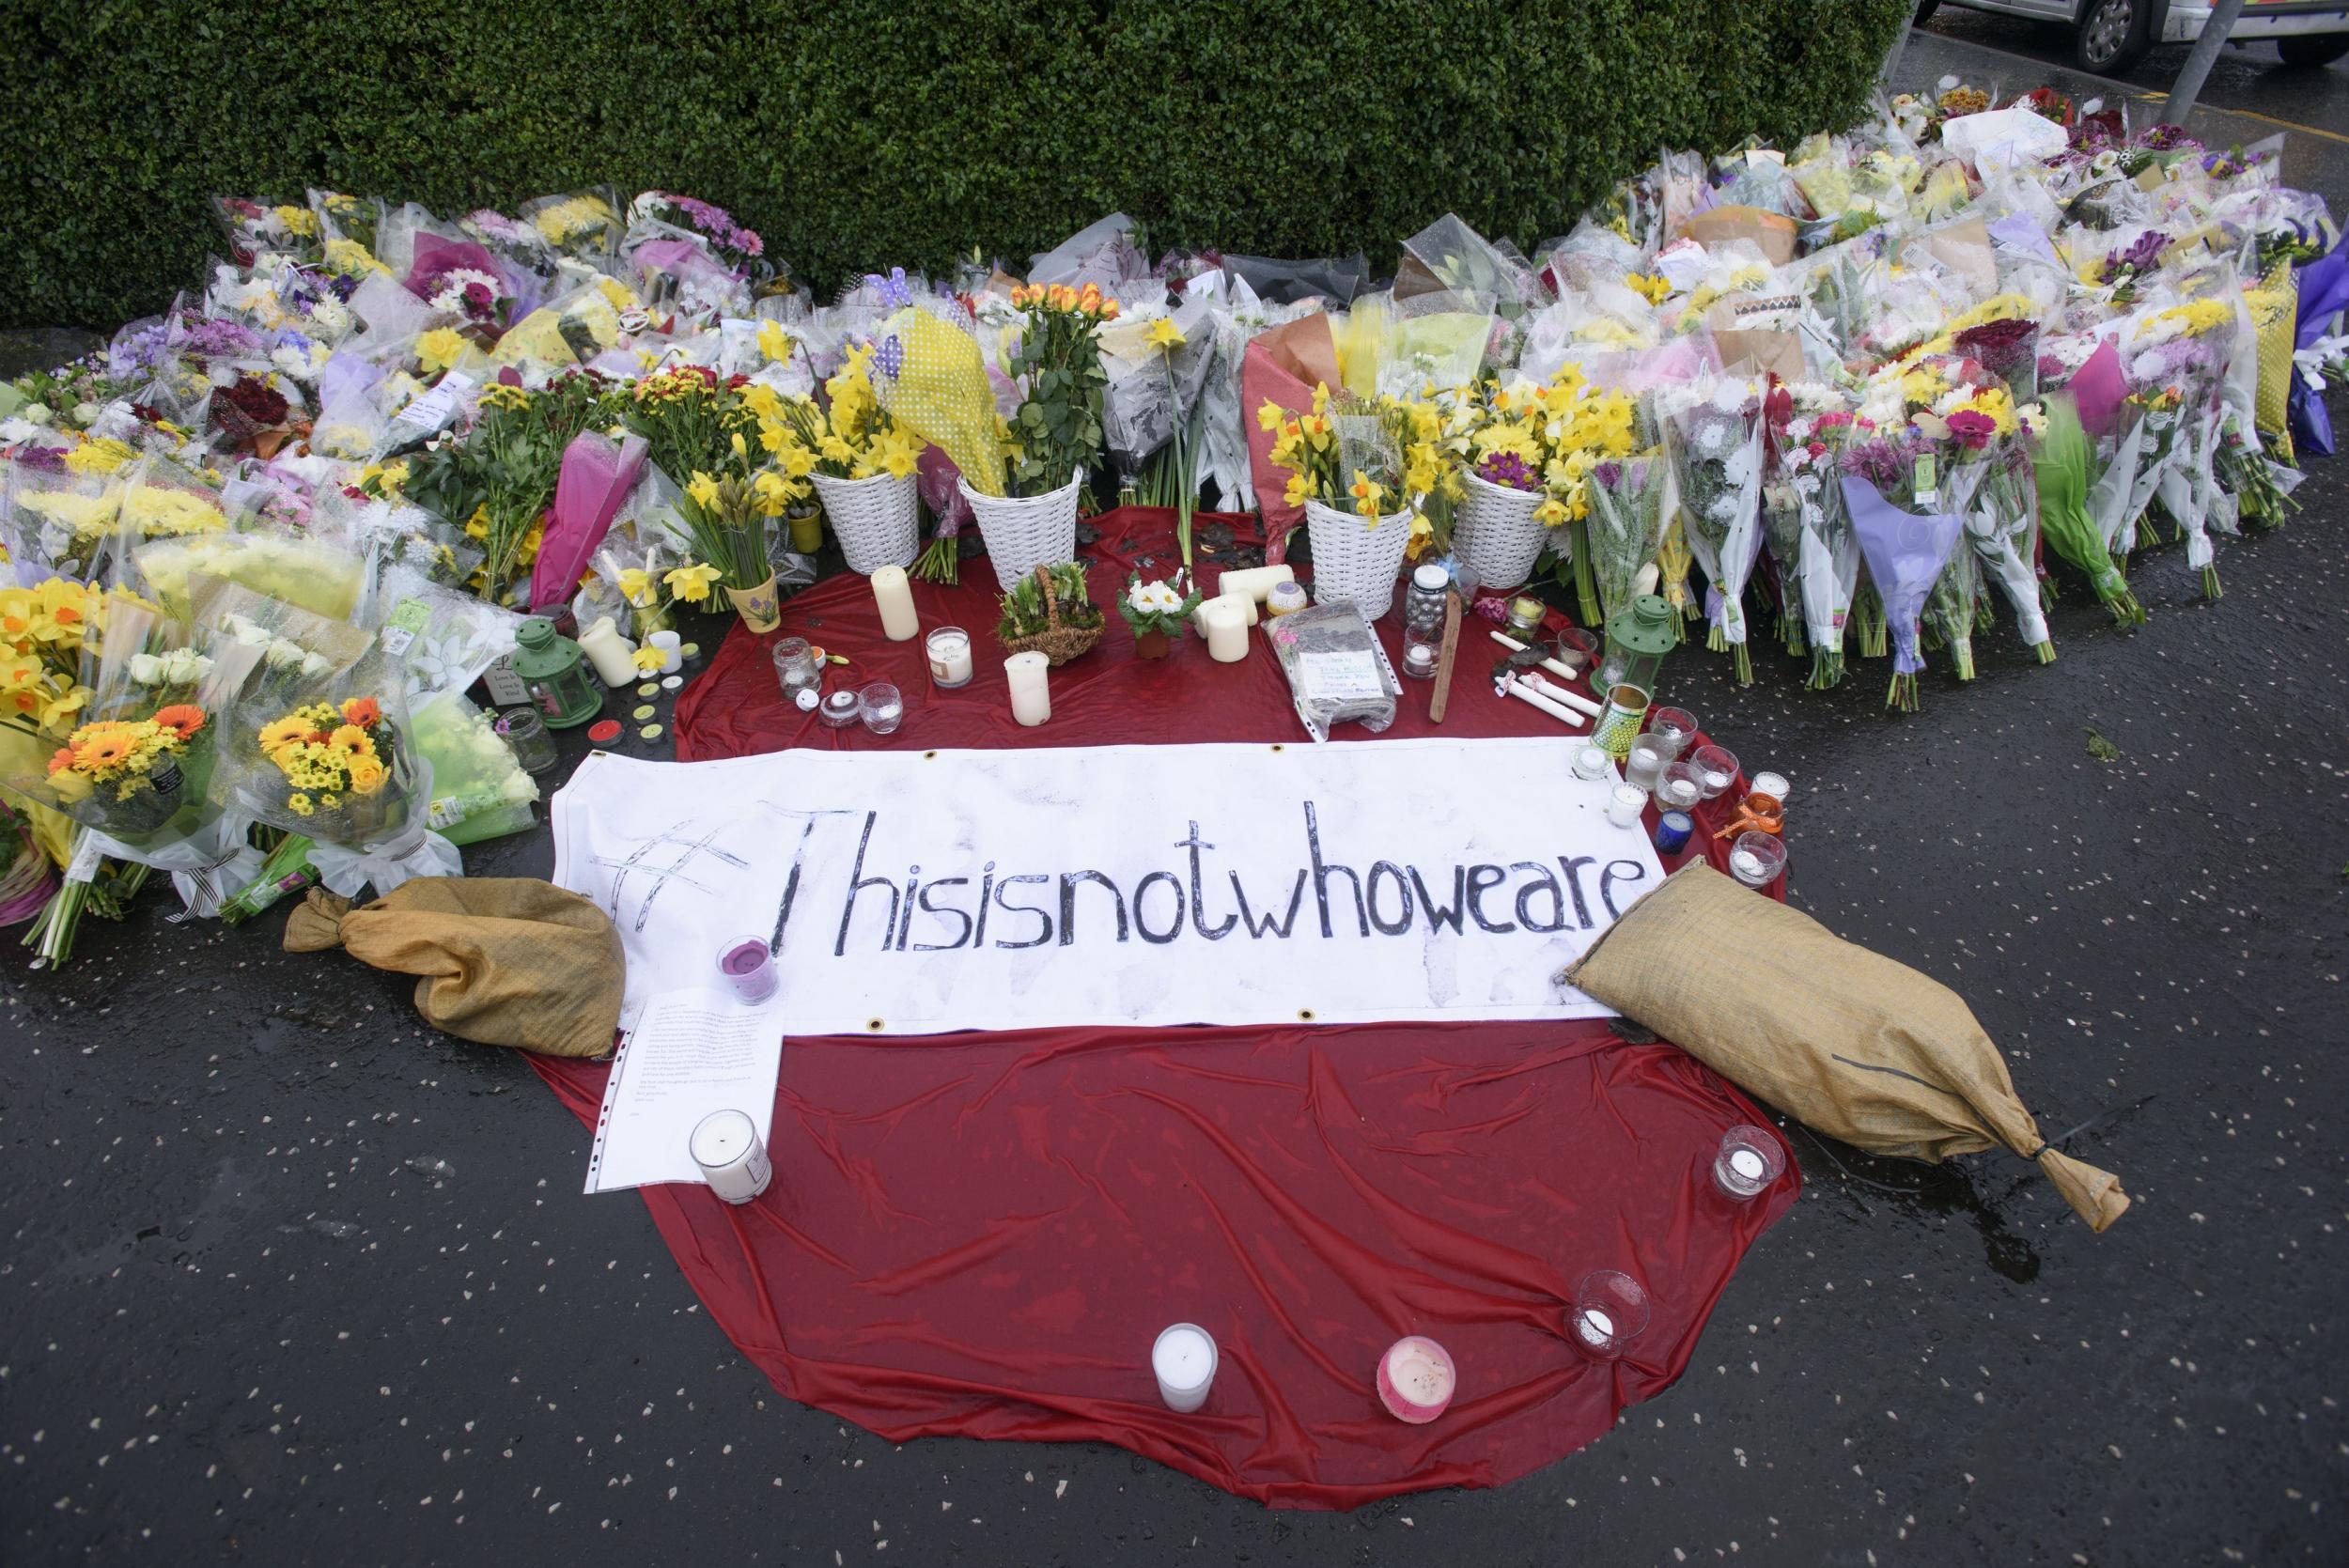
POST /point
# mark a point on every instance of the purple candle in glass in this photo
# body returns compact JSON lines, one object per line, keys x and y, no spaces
{"x":749,"y":967}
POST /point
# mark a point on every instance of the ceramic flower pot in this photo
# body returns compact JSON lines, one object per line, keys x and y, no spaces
{"x":757,"y":606}
{"x":807,"y":531}
{"x":1152,"y":645}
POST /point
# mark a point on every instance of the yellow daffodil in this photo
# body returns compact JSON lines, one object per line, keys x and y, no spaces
{"x":636,"y":587}
{"x":1164,"y":333}
{"x":691,"y":583}
{"x":773,"y":341}
{"x":649,"y":658}
{"x":441,"y":349}
{"x":703,"y":490}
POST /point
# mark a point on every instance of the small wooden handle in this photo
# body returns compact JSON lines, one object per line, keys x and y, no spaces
{"x":1443,"y":658}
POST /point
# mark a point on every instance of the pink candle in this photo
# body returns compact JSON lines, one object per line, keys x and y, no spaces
{"x":746,"y":967}
{"x":1415,"y":1379}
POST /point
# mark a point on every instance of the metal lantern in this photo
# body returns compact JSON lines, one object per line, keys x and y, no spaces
{"x":1639,"y":636}
{"x":552,"y":667}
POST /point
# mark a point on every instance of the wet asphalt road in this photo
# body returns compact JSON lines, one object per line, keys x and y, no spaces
{"x":291,"y":1279}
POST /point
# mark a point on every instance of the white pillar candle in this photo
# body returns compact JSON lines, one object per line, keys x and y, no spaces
{"x":894,"y":595}
{"x":1227,"y":628}
{"x":1030,"y":675}
{"x":1184,"y":1361}
{"x":1246,"y":606}
{"x":1255,"y":581}
{"x":608,"y":651}
{"x":672,"y":651}
{"x":734,"y":1162}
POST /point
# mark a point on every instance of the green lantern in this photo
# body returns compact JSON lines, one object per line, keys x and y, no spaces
{"x":554,"y":671}
{"x":1639,"y":636}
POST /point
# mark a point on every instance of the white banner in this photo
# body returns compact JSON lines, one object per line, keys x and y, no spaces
{"x":905,"y":893}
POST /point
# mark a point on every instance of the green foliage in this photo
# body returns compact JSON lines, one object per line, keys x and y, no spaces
{"x":854,"y":133}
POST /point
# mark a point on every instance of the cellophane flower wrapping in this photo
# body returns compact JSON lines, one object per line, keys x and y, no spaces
{"x":1151,"y":390}
{"x":927,"y":373}
{"x":439,"y":638}
{"x":1905,"y":552}
{"x":1714,"y":432}
{"x":1625,"y":525}
{"x":320,"y":577}
{"x":479,"y":791}
{"x":2002,"y":527}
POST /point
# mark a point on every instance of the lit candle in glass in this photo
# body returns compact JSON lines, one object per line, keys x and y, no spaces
{"x":948,"y":650}
{"x":1184,"y":1361}
{"x":1030,"y":675}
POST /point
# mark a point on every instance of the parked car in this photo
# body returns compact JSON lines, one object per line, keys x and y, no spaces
{"x":2110,"y":36}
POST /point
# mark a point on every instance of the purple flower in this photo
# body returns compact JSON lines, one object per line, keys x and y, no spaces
{"x":2141,"y":252}
{"x":1508,"y":470}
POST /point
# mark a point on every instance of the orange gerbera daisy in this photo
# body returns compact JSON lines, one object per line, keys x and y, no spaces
{"x":60,"y":761}
{"x":362,"y":712}
{"x":105,"y":749}
{"x":186,"y":718}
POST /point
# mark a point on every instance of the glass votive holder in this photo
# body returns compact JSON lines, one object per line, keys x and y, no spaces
{"x":1674,"y":829}
{"x":881,"y":708}
{"x":526,"y":733}
{"x":1592,"y":762}
{"x":1749,"y":1161}
{"x":838,"y":709}
{"x":1625,"y":806}
{"x":796,"y":665}
{"x":1609,"y":1309}
{"x":1717,"y":770}
{"x":1649,"y":755}
{"x":1757,"y":858}
{"x":1678,"y":787}
{"x":948,"y":650}
{"x":1772,"y":784}
{"x":1674,"y":726}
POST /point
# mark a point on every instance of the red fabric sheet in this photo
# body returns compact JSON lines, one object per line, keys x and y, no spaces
{"x":981,"y":1234}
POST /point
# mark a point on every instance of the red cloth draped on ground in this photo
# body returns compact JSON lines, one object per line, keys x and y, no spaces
{"x":980,"y":1235}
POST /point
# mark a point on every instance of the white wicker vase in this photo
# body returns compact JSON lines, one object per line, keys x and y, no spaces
{"x":1025,"y":532}
{"x":1494,"y":532}
{"x":876,"y":520}
{"x":1354,"y":562}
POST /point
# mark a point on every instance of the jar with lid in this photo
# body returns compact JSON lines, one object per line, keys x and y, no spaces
{"x":522,"y":729}
{"x":1422,"y":621}
{"x":554,"y":672}
{"x":796,"y":666}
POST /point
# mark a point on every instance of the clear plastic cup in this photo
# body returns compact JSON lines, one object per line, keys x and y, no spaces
{"x":1609,"y":1309}
{"x":1674,"y":726}
{"x":879,"y":705}
{"x":1650,"y":755}
{"x":1757,"y":858}
{"x":1717,"y":770}
{"x":1747,"y":1161}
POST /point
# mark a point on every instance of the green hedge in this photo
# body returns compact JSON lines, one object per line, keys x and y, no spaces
{"x":854,"y":134}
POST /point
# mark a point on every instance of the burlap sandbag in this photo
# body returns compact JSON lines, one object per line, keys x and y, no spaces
{"x":1843,"y":1040}
{"x":506,"y":962}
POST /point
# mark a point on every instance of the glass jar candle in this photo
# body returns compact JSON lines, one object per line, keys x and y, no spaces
{"x":1422,"y":621}
{"x":1525,"y":619}
{"x":1592,"y":762}
{"x":1625,"y":806}
{"x":1609,"y":1309}
{"x":1717,"y":770}
{"x":1757,"y":858}
{"x":1675,"y":726}
{"x":522,"y":730}
{"x":948,"y":650}
{"x":1748,"y":1161}
{"x":796,"y":665}
{"x":1677,"y":788}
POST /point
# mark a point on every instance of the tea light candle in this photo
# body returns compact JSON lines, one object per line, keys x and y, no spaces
{"x":1416,"y":1380}
{"x":1184,"y":1361}
{"x":1254,"y":581}
{"x":1596,"y":1328}
{"x":608,"y":651}
{"x":749,"y":967}
{"x":948,"y":650}
{"x":1672,"y":829}
{"x":1749,"y":1161}
{"x":726,"y":1145}
{"x":1029,"y":675}
{"x":1227,"y":628}
{"x":1592,"y":762}
{"x":671,"y":649}
{"x":1625,"y":805}
{"x":894,"y":595}
{"x":1745,"y":865}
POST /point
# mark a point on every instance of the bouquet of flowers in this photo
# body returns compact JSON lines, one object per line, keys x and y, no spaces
{"x":1827,"y":555}
{"x":2183,"y":353}
{"x":497,"y":481}
{"x":479,"y":791}
{"x":74,"y":518}
{"x":739,"y":248}
{"x":2066,"y":493}
{"x":1714,"y":426}
{"x":1906,"y":553}
{"x":1058,"y":365}
{"x":2003,"y":526}
{"x":1619,"y":540}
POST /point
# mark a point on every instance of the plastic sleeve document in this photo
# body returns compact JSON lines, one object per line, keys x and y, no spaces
{"x":691,"y":1052}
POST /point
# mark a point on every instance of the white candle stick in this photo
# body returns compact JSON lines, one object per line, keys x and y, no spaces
{"x":1559,"y":693}
{"x":1552,"y":665}
{"x":1566,"y":716}
{"x":1255,"y":581}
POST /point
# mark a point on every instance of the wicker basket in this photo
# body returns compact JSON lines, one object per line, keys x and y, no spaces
{"x":1353,"y":562}
{"x":1056,"y":642}
{"x":876,"y":520}
{"x":1494,"y":533}
{"x":1025,"y":532}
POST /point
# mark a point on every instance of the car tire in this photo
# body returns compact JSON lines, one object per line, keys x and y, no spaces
{"x":2313,"y":49}
{"x":1924,"y":13}
{"x":2111,"y":34}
